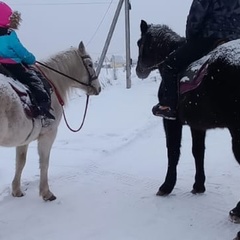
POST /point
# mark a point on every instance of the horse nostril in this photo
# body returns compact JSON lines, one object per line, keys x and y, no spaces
{"x":97,"y":91}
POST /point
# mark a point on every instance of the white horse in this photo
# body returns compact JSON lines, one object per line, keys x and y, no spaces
{"x":18,"y":130}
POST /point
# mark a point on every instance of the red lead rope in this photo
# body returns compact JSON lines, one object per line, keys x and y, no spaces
{"x":60,"y":100}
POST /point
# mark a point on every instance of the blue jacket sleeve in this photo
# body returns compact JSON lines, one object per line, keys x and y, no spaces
{"x":197,"y":13}
{"x":25,"y":56}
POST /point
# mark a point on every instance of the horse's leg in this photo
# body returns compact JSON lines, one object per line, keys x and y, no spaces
{"x":238,"y":236}
{"x":44,"y":148}
{"x":173,"y":131}
{"x":198,"y":150}
{"x":21,"y":155}
{"x":235,"y":133}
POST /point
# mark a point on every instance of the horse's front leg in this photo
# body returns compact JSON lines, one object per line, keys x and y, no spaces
{"x":198,"y":150}
{"x":21,"y":155}
{"x":44,"y":148}
{"x":173,"y":131}
{"x":235,"y":133}
{"x":238,"y":236}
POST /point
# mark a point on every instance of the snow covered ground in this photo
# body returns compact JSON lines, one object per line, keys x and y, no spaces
{"x":105,"y":177}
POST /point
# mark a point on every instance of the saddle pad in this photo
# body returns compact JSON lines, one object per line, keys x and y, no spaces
{"x":194,"y":74}
{"x":24,"y":95}
{"x":228,"y":52}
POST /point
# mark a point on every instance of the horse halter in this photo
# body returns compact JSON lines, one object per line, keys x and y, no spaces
{"x":141,"y":48}
{"x":154,"y":66}
{"x":87,"y":63}
{"x":150,"y":68}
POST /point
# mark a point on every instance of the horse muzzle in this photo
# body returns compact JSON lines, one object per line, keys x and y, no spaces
{"x":94,"y":89}
{"x":142,"y":72}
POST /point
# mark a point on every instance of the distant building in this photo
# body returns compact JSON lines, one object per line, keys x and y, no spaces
{"x":117,"y":61}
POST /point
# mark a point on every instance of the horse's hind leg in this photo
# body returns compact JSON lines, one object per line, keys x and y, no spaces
{"x":21,"y":155}
{"x":198,"y":150}
{"x":44,"y":148}
{"x":173,"y":131}
{"x":235,"y":133}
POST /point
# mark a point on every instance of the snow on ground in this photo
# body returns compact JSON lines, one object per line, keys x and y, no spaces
{"x":105,"y":177}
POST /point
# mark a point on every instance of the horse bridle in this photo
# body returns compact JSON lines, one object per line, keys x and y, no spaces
{"x":153,"y":67}
{"x":92,"y":76}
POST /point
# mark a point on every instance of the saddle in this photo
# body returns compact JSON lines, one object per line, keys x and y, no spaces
{"x":25,"y":95}
{"x":192,"y":77}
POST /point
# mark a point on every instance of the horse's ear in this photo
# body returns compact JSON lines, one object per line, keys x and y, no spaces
{"x":81,"y":47}
{"x":143,"y":26}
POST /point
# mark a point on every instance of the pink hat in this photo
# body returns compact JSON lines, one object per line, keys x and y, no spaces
{"x":5,"y":14}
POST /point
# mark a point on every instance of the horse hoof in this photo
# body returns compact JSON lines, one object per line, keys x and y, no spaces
{"x":234,"y":217}
{"x":194,"y":191}
{"x":51,"y":198}
{"x":19,"y":194}
{"x":237,"y":237}
{"x":161,"y":193}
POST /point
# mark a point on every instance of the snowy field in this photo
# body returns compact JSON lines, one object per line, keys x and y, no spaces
{"x":105,"y":177}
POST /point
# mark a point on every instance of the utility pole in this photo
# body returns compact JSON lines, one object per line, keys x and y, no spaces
{"x":109,"y":37}
{"x":127,"y":39}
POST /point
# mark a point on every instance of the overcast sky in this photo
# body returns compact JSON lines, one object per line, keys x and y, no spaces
{"x":49,"y":25}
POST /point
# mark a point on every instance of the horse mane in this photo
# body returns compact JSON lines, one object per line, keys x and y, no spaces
{"x":57,"y":58}
{"x":164,"y":32}
{"x":65,"y":62}
{"x":165,"y":36}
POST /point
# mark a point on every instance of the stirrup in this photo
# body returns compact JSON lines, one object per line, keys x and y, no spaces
{"x":166,"y":113}
{"x":48,"y":115}
{"x":46,"y":121}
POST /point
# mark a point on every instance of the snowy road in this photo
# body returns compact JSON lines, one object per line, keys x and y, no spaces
{"x":106,"y":177}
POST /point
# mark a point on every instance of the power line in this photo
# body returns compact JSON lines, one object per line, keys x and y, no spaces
{"x":58,"y":4}
{"x":99,"y":25}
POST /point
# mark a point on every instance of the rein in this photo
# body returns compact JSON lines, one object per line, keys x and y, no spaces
{"x":155,"y":66}
{"x":63,"y":74}
{"x":84,"y":116}
{"x":59,"y":97}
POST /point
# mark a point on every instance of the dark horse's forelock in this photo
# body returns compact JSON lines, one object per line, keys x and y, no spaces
{"x":162,"y":37}
{"x":163,"y":32}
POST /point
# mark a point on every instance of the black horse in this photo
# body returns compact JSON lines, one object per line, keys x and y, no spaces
{"x":156,"y":42}
{"x":214,"y":104}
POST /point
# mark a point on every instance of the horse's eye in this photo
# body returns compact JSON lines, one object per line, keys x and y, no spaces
{"x":89,"y":63}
